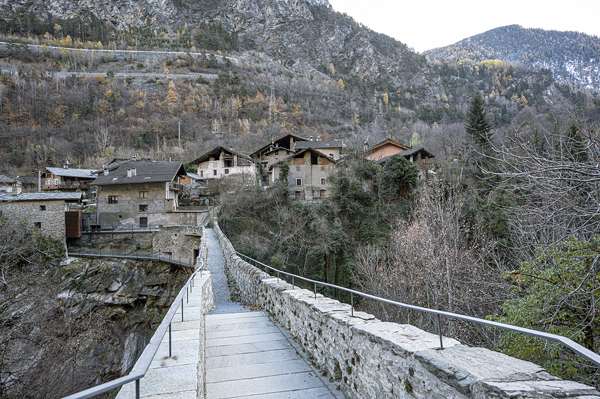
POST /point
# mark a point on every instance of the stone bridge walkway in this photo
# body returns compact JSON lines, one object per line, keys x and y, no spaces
{"x":247,"y":355}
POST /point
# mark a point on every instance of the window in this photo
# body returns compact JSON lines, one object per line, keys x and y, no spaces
{"x":113,"y":199}
{"x":143,"y":194}
{"x":143,"y":208}
{"x":228,"y":163}
{"x":226,"y":171}
{"x":143,"y":222}
{"x":330,"y":155}
{"x":323,"y":180}
{"x":201,"y":173}
{"x":38,"y":225}
{"x":42,"y":207}
{"x":298,"y":182}
{"x":214,"y":172}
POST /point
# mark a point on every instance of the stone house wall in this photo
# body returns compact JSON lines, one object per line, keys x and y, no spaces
{"x":371,"y":359}
{"x":216,"y":169}
{"x":50,"y":221}
{"x":181,"y":242}
{"x":126,"y":213}
{"x":312,"y":178}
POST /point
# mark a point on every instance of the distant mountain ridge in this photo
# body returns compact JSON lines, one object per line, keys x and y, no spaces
{"x":572,"y":57}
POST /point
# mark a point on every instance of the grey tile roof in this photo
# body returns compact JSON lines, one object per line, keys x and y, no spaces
{"x":68,"y":172}
{"x":41,"y":197}
{"x":194,"y":176}
{"x":146,"y":172}
{"x":318,"y":145}
{"x":6,"y":179}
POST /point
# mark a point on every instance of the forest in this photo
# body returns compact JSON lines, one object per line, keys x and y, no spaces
{"x":504,"y":226}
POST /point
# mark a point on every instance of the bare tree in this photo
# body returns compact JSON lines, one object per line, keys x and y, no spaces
{"x":554,"y":178}
{"x":103,"y":138}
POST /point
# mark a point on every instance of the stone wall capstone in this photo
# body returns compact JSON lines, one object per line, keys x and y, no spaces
{"x":369,"y":358}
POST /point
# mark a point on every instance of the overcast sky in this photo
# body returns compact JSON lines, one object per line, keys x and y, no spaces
{"x":426,"y":24}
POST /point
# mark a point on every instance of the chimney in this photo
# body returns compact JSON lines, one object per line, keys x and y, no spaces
{"x":128,"y":172}
{"x":66,"y":165}
{"x":105,"y":172}
{"x":133,"y":172}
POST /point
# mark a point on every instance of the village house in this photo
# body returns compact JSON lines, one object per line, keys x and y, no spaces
{"x":309,"y":173}
{"x":287,"y":145}
{"x":6,"y":184}
{"x":222,"y":163}
{"x":332,"y":149}
{"x":140,"y":194}
{"x":46,"y":212}
{"x":381,"y":152}
{"x":66,"y":179}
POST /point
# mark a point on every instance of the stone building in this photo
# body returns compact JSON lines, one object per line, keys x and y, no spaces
{"x":309,"y":173}
{"x":45,"y":212}
{"x":139,"y":194}
{"x":287,"y":145}
{"x":222,"y":163}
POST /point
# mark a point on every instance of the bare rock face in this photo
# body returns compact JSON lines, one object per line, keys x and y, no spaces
{"x":79,"y":324}
{"x":121,"y":13}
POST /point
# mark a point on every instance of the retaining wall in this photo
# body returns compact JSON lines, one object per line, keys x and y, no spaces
{"x":369,"y":358}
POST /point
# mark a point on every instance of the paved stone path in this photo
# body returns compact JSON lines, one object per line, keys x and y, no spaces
{"x":248,"y":356}
{"x":216,"y":267}
{"x":175,"y":377}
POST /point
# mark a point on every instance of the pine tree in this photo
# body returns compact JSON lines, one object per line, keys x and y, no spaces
{"x":478,"y":126}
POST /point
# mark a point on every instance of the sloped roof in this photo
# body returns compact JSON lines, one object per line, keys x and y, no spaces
{"x":43,"y":196}
{"x":68,"y":172}
{"x":387,"y":142}
{"x":283,"y":138}
{"x":217,"y":151}
{"x":408,"y":153}
{"x":194,"y":176}
{"x":295,"y":155}
{"x":146,"y":172}
{"x":6,"y":180}
{"x":319,"y":145}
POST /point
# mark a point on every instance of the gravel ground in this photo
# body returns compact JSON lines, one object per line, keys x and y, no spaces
{"x":216,"y":266}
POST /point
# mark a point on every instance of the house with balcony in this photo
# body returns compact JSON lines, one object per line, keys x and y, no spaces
{"x":381,"y":152}
{"x":220,"y":163}
{"x":66,"y":179}
{"x":139,"y":194}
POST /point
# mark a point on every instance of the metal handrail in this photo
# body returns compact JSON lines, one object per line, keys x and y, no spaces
{"x":574,"y":346}
{"x":143,"y":363}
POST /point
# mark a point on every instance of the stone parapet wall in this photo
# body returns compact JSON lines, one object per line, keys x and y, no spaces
{"x":369,"y":358}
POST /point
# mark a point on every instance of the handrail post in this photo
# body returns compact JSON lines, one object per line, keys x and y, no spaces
{"x":352,"y":303}
{"x":187,"y":293}
{"x":293,"y":285}
{"x":315,"y":290}
{"x":137,"y":389}
{"x":170,"y":339}
{"x":182,"y":309}
{"x":440,"y":332}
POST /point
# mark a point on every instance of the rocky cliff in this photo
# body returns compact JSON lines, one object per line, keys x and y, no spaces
{"x":122,"y":14}
{"x":573,"y":57}
{"x":79,"y":324}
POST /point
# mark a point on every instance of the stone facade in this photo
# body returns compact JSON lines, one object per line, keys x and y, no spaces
{"x":46,"y":216}
{"x":309,"y":173}
{"x":153,"y":201}
{"x":180,"y":242}
{"x":223,"y":163}
{"x":368,"y":358}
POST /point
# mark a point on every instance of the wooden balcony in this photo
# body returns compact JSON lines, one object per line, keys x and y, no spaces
{"x":72,"y":186}
{"x":175,"y":186}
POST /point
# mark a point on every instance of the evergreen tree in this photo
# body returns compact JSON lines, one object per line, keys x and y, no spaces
{"x":478,"y":126}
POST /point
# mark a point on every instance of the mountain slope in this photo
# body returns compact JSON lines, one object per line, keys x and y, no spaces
{"x":572,"y":57}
